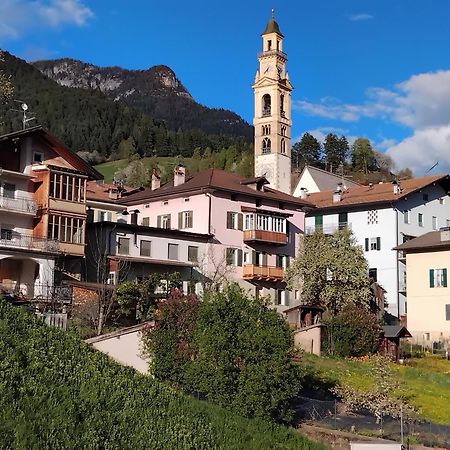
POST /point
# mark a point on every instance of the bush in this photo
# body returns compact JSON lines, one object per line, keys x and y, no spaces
{"x":236,"y":354}
{"x":352,"y":332}
{"x":56,"y":392}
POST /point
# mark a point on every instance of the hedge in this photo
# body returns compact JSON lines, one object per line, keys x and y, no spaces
{"x":56,"y":392}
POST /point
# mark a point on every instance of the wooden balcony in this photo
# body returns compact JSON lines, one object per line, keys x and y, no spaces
{"x":265,"y":237}
{"x":262,"y":273}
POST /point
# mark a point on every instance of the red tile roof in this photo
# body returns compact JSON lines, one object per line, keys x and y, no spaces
{"x":100,"y":192}
{"x":214,"y":179}
{"x":377,"y":193}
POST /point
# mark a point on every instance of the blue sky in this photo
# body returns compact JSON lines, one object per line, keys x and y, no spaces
{"x":379,"y":69}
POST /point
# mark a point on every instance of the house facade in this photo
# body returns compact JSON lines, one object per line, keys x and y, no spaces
{"x":254,"y":230}
{"x":42,"y":212}
{"x":381,"y":217}
{"x":428,"y":290}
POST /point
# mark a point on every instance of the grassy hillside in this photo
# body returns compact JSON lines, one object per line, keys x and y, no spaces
{"x":56,"y":392}
{"x":425,"y":381}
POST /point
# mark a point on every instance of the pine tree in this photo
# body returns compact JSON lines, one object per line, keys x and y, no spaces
{"x":307,"y":151}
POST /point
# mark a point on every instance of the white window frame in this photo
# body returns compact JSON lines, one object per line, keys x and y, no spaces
{"x":434,"y":223}
{"x":407,"y":216}
{"x":420,"y":219}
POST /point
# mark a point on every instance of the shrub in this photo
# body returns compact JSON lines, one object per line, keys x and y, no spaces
{"x":352,"y":332}
{"x":56,"y":392}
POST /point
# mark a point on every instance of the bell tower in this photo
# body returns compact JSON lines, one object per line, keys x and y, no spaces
{"x":272,"y":118}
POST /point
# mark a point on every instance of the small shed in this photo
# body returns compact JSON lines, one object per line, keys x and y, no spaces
{"x":389,"y":340}
{"x":301,"y":316}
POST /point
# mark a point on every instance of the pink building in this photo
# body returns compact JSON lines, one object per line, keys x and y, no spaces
{"x":255,"y":229}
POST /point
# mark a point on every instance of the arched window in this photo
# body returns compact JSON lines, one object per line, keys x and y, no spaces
{"x":266,"y":146}
{"x":265,"y":130}
{"x":266,"y":105}
{"x":283,"y":146}
{"x":283,"y":130}
{"x":282,"y":113}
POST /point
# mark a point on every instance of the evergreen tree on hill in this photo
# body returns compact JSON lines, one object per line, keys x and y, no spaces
{"x":307,"y":151}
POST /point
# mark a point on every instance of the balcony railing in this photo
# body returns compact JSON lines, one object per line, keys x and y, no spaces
{"x":267,"y":273}
{"x":11,"y":239}
{"x":328,"y":229}
{"x":267,"y":237}
{"x":267,"y":112}
{"x":273,"y":53}
{"x":39,"y":292}
{"x":19,"y":204}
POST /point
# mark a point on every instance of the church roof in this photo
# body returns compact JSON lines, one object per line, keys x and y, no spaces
{"x":272,"y":27}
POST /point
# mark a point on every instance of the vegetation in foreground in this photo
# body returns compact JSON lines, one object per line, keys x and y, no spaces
{"x":425,"y":382}
{"x":56,"y":392}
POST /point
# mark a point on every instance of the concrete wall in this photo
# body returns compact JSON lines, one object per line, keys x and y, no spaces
{"x":126,"y":349}
{"x":309,"y":339}
{"x":426,"y":305}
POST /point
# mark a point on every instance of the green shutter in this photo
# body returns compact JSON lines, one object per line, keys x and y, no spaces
{"x":319,"y":223}
{"x":367,"y":244}
{"x":239,"y":257}
{"x":229,"y":220}
{"x":378,"y":243}
{"x":229,"y":256}
{"x":444,"y":277}
{"x":431,"y":278}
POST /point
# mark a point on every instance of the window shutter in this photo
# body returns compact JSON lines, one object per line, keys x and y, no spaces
{"x":378,"y":243}
{"x":191,"y":219}
{"x":240,"y":221}
{"x":180,"y":220}
{"x":168,"y":222}
{"x":431,"y":278}
{"x":444,"y":277}
{"x":254,"y":257}
{"x":229,"y":256}
{"x":264,"y":260}
{"x":447,"y":312}
{"x":158,"y":221}
{"x":367,"y":244}
{"x":239,"y":257}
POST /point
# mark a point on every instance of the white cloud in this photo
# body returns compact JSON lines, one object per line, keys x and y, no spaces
{"x":19,"y":17}
{"x":360,"y":17}
{"x":421,"y":103}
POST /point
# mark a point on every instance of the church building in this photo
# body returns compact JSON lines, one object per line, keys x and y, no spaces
{"x":272,"y":119}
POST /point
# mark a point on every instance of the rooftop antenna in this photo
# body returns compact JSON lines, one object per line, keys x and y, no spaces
{"x":24,"y":110}
{"x":432,"y":167}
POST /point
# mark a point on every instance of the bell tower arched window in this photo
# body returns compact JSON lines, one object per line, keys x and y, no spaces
{"x":265,"y":130}
{"x":266,"y":105}
{"x":283,"y":146}
{"x":282,"y":112}
{"x":266,"y":146}
{"x":283,"y":130}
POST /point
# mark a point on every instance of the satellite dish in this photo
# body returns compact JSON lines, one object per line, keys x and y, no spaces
{"x":24,"y":106}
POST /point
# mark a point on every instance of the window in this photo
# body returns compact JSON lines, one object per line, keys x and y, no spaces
{"x":447,"y":312}
{"x":146,"y":248}
{"x":372,"y":244}
{"x":185,"y":219}
{"x":123,"y":246}
{"x":269,"y":45}
{"x":425,"y":197}
{"x":6,"y":234}
{"x":186,"y":199}
{"x":67,"y":187}
{"x":146,"y":221}
{"x":278,"y":224}
{"x":442,"y":201}
{"x":282,"y":261}
{"x":9,"y":190}
{"x":249,"y":221}
{"x":420,"y":219}
{"x":234,"y":220}
{"x":266,"y":146}
{"x":65,"y":229}
{"x":438,"y":278}
{"x":104,"y":216}
{"x":172,"y":251}
{"x":233,"y":256}
{"x":373,"y":275}
{"x":318,"y":221}
{"x":265,"y":130}
{"x":163,"y":221}
{"x":111,"y":278}
{"x":343,"y":220}
{"x":266,"y":105}
{"x":407,"y":216}
{"x":263,"y":222}
{"x":283,"y":146}
{"x":282,"y":297}
{"x":434,"y":223}
{"x":38,"y":157}
{"x":192,"y":253}
{"x":283,"y":130}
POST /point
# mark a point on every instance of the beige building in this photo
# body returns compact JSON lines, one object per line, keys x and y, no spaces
{"x":428,"y":292}
{"x":272,"y":119}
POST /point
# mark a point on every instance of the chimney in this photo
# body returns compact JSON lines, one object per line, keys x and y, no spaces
{"x":179,"y":175}
{"x":113,"y":193}
{"x":396,"y":187}
{"x":445,"y":234}
{"x":339,"y":187}
{"x":156,"y":180}
{"x":303,"y":193}
{"x":337,"y":196}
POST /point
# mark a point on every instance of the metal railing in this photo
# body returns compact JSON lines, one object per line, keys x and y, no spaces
{"x":21,"y":204}
{"x":38,"y":292}
{"x":11,"y":239}
{"x":328,"y":229}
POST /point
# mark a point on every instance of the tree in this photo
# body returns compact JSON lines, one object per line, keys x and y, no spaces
{"x":335,"y":151}
{"x":306,"y":151}
{"x":237,"y":354}
{"x":363,"y":157}
{"x":331,"y":271}
{"x":354,"y":331}
{"x":383,"y":161}
{"x":6,"y":87}
{"x":126,"y":148}
{"x":405,"y":174}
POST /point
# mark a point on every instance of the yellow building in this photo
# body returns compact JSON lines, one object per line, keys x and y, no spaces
{"x":428,"y":292}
